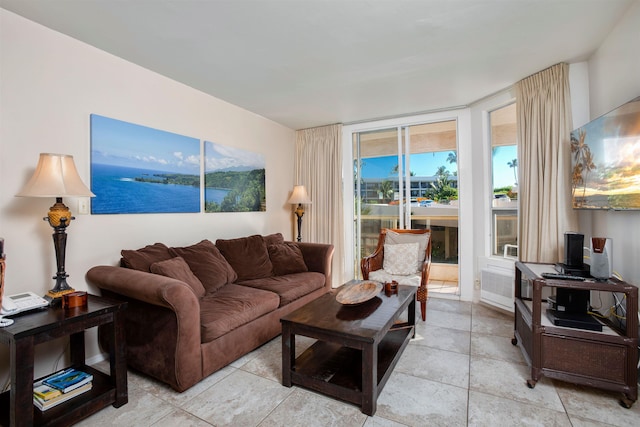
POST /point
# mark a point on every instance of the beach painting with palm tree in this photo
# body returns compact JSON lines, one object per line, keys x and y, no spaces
{"x":605,"y":160}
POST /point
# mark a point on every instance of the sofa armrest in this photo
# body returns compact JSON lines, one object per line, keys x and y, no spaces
{"x":147,"y":287}
{"x":318,"y":257}
{"x":163,"y":323}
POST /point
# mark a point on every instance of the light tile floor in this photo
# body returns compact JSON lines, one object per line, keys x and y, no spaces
{"x":443,"y":286}
{"x":460,"y":370}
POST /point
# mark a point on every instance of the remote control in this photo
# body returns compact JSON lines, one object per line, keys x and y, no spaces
{"x":562,"y":276}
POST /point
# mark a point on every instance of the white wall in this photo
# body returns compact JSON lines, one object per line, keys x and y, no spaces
{"x":614,"y":78}
{"x":49,"y":85}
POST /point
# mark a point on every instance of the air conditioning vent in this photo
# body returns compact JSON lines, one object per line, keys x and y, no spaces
{"x":496,"y":287}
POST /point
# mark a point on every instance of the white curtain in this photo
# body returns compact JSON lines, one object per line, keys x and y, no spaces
{"x":543,"y":107}
{"x":318,"y":166}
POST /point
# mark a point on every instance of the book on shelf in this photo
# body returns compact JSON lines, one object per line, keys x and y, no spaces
{"x":63,"y":397}
{"x":44,"y":392}
{"x":68,"y":380}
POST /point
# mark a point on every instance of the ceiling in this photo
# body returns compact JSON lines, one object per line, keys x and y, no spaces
{"x":309,"y":63}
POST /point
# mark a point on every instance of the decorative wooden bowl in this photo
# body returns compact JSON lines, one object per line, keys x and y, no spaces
{"x":358,"y":292}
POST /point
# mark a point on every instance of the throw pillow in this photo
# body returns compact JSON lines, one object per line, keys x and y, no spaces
{"x":273,"y":239}
{"x":248,"y":256}
{"x":400,"y":259}
{"x":177,"y":268}
{"x":394,"y":238}
{"x":206,"y":262}
{"x":286,"y":258}
{"x":141,"y":259}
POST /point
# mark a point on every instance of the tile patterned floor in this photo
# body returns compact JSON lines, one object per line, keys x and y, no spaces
{"x":443,"y":286}
{"x":460,"y":370}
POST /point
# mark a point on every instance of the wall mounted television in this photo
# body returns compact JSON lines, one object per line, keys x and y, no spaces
{"x":605,"y":160}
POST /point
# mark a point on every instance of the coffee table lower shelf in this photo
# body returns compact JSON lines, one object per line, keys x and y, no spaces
{"x":336,"y":370}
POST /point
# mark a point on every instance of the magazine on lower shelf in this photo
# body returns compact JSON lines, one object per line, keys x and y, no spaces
{"x":68,"y":380}
{"x":44,"y":405}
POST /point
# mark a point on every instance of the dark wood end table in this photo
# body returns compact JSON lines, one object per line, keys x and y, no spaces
{"x":357,"y":348}
{"x":30,"y":329}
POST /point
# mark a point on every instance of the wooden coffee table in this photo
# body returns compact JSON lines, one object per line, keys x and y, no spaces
{"x":358,"y":346}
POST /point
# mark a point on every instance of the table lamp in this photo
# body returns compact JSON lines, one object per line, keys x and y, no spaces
{"x":299,"y":197}
{"x":56,"y":176}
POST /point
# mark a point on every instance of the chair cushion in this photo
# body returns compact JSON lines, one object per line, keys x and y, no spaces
{"x":233,"y":306}
{"x":393,"y":238}
{"x":385,"y":277}
{"x":207,"y":263}
{"x":400,"y":259}
{"x":286,"y":258}
{"x":177,"y":268}
{"x":141,"y":259}
{"x":248,"y":256}
{"x":289,"y":287}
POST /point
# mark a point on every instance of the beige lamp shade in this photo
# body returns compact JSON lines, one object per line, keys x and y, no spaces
{"x":299,"y":196}
{"x":55,"y":176}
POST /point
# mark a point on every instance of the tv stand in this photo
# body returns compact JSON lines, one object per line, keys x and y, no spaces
{"x":606,"y":359}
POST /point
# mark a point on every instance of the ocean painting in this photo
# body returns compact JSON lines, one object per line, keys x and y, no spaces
{"x":234,"y":179}
{"x":137,"y":169}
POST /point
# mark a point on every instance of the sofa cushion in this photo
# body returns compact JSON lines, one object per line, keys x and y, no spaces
{"x":248,"y":256}
{"x":273,"y":239}
{"x":289,"y":287}
{"x":233,"y":306}
{"x":141,"y":259}
{"x":286,"y":258}
{"x":177,"y":268}
{"x":207,"y":264}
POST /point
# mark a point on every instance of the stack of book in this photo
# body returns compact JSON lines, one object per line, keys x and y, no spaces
{"x":60,"y":387}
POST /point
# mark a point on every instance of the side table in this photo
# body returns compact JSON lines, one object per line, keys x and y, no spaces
{"x":30,"y":329}
{"x":607,"y":359}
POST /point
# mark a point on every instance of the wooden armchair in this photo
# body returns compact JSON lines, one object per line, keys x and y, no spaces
{"x":372,"y":265}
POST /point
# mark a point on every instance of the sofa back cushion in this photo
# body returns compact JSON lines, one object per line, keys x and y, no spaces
{"x":273,"y":239}
{"x":248,"y":256}
{"x":286,"y":258}
{"x":177,"y":268}
{"x":141,"y":259}
{"x":208,"y":265}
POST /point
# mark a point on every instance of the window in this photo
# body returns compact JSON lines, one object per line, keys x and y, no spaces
{"x":407,"y":177}
{"x":504,"y":172}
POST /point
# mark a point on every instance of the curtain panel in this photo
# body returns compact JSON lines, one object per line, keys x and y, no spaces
{"x":318,"y":166}
{"x":543,"y":106}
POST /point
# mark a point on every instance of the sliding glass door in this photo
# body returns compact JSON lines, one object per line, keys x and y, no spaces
{"x":407,"y":177}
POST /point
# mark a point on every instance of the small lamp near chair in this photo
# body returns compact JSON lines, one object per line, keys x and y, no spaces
{"x":56,"y":176}
{"x":299,"y":197}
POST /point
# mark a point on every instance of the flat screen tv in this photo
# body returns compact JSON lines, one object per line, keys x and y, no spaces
{"x":605,"y":160}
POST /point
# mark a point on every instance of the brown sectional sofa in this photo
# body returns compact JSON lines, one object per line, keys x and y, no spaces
{"x":193,"y":310}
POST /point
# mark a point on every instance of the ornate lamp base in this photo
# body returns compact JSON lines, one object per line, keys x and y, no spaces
{"x":299,"y":213}
{"x":59,"y":218}
{"x":58,"y":294}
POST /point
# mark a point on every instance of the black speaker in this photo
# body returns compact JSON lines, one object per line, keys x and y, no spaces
{"x":573,"y":244}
